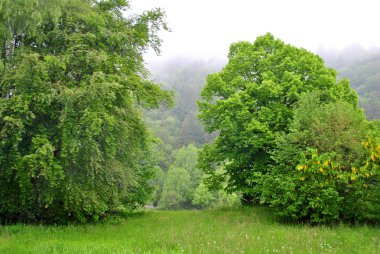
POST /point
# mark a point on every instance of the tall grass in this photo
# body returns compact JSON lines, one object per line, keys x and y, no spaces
{"x":239,"y":230}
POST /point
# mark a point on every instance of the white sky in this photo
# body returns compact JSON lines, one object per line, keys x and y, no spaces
{"x":206,"y":28}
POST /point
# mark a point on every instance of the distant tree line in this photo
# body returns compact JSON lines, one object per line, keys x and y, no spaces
{"x":179,"y":183}
{"x":362,"y":67}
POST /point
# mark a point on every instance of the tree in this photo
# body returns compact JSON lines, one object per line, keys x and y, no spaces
{"x":176,"y":193}
{"x":206,"y":195}
{"x":203,"y":197}
{"x":251,"y":102}
{"x":186,"y":158}
{"x":73,"y":85}
{"x":157,"y":184}
{"x":181,"y":180}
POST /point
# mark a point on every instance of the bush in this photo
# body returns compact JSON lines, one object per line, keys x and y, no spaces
{"x":176,"y":193}
{"x":206,"y":198}
{"x":324,"y":172}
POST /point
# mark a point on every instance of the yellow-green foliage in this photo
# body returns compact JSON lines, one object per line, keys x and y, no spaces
{"x":326,"y":169}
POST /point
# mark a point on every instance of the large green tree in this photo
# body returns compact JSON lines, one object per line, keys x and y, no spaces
{"x":73,"y":144}
{"x":250,"y":103}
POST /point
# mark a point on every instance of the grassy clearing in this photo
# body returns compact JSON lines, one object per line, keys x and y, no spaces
{"x":240,"y":230}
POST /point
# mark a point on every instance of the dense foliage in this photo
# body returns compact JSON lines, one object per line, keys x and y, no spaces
{"x":251,"y":103}
{"x":182,"y":187}
{"x":72,"y":85}
{"x":323,"y":172}
{"x":181,"y":179}
{"x":290,"y":135}
{"x":74,"y":95}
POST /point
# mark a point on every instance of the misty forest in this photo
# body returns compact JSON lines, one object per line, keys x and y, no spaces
{"x":276,"y":149}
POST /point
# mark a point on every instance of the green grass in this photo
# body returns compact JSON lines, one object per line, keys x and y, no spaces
{"x":240,"y":230}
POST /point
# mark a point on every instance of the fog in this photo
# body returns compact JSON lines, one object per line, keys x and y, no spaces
{"x":205,"y":29}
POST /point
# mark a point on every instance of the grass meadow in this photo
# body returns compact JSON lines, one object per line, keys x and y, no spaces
{"x":234,"y":230}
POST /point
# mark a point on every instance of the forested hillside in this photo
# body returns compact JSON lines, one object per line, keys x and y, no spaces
{"x":362,"y":67}
{"x":179,"y":126}
{"x":179,"y":134}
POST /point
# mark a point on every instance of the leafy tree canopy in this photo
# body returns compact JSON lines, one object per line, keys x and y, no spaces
{"x":72,"y":86}
{"x":251,"y":102}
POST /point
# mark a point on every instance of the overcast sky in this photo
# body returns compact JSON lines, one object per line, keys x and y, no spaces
{"x":206,"y":28}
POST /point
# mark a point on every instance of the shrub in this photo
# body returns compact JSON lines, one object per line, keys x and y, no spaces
{"x":324,"y":172}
